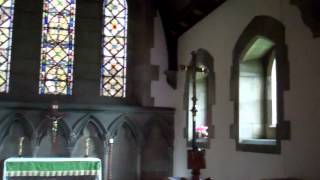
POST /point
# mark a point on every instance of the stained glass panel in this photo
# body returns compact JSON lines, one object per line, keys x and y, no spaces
{"x":57,"y":53}
{"x":113,"y":70}
{"x":6,"y":21}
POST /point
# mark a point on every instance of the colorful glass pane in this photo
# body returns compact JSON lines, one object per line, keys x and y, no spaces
{"x":113,"y":70}
{"x":6,"y":21}
{"x":57,"y":53}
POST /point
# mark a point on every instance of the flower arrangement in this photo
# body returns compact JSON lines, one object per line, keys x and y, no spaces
{"x":202,"y":132}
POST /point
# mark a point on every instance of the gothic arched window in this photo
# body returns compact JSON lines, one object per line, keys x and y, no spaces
{"x":114,"y":48}
{"x":57,"y":52}
{"x":6,"y":22}
{"x":203,"y":80}
{"x":259,"y":80}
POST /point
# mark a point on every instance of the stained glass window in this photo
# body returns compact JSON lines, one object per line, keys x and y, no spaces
{"x":57,"y":53}
{"x":113,"y":70}
{"x":6,"y":20}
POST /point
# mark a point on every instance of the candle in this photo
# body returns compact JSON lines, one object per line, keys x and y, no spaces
{"x":87,"y":146}
{"x":55,"y":106}
{"x":21,"y":139}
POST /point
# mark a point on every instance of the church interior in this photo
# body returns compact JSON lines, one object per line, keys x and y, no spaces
{"x":160,"y":89}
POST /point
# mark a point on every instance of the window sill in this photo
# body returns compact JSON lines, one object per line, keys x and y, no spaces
{"x":270,"y":146}
{"x":273,"y":126}
{"x":270,"y":142}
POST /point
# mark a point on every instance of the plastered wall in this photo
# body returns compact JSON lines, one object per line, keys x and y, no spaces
{"x":218,"y":33}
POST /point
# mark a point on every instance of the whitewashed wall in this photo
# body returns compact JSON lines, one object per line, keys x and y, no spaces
{"x":162,"y":93}
{"x":218,"y":34}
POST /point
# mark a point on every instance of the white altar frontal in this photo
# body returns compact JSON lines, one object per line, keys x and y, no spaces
{"x":52,"y":168}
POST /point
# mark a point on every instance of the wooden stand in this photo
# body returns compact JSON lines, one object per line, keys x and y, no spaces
{"x":196,"y":162}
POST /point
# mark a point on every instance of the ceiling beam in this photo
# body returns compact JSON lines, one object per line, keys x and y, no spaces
{"x":177,"y":22}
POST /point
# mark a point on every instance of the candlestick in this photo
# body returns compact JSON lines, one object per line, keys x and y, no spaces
{"x":20,"y":151}
{"x":194,"y":100}
{"x":87,"y":147}
{"x":111,"y":141}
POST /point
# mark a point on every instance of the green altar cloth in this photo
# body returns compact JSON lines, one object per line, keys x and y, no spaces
{"x":49,"y":167}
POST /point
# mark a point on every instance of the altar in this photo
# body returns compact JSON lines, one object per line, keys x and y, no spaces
{"x":52,"y":168}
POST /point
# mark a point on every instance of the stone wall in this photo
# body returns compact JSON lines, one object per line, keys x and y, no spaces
{"x":143,"y":137}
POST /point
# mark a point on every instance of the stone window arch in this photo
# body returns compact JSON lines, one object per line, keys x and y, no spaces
{"x":205,"y":98}
{"x":258,"y":81}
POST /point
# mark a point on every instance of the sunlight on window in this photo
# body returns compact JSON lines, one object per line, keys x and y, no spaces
{"x":114,"y":49}
{"x":274,"y":93}
{"x":6,"y":22}
{"x":57,"y":52}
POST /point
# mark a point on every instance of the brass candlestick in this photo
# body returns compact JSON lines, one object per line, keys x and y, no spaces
{"x":110,"y":149}
{"x":20,"y":151}
{"x":87,"y":147}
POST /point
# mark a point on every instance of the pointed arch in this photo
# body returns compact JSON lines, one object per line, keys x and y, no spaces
{"x":200,"y":72}
{"x":124,"y":121}
{"x":42,"y":130}
{"x":126,"y":148}
{"x":10,"y":119}
{"x":83,"y":122}
{"x":164,"y":126}
{"x":260,"y":46}
{"x":157,"y":149}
